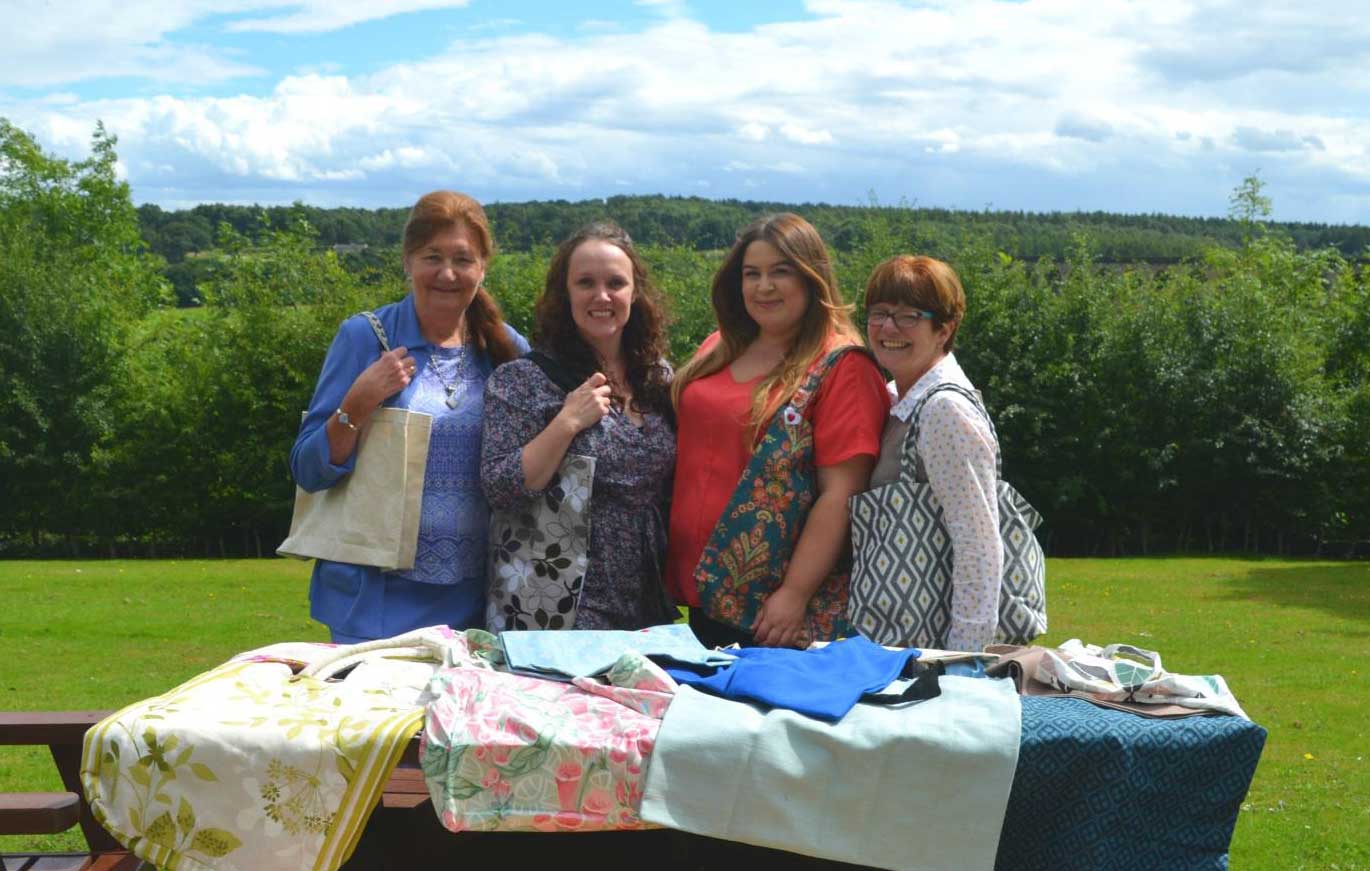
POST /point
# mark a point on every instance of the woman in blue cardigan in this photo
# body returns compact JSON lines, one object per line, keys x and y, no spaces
{"x":446,"y":336}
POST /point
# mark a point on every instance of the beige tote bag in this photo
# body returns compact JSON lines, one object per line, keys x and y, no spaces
{"x":371,"y":516}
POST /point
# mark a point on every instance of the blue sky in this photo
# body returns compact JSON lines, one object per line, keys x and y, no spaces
{"x":1037,"y":105}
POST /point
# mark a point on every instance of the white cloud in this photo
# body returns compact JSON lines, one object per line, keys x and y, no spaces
{"x":1077,"y":126}
{"x":318,"y":16}
{"x":805,"y":136}
{"x":1038,"y":104}
{"x":753,"y":132}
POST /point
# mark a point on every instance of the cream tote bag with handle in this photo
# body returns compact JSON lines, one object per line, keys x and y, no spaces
{"x":371,"y":516}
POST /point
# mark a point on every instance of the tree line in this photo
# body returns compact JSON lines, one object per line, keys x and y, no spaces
{"x":1217,"y":403}
{"x":367,"y":235}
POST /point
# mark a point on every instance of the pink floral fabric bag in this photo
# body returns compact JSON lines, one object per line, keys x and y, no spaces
{"x":508,"y":752}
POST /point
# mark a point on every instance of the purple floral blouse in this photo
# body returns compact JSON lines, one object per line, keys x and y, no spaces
{"x":628,"y":503}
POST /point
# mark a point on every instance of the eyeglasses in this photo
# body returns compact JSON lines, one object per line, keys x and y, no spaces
{"x":903,"y":320}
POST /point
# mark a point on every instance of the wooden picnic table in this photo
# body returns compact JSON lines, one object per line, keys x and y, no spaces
{"x":403,"y":832}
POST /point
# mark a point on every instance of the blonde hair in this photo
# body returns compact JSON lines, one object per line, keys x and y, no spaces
{"x":826,"y":323}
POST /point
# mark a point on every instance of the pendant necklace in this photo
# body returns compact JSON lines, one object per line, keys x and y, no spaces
{"x":457,"y":386}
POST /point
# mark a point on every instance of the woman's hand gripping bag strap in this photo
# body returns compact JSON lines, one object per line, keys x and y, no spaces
{"x":901,"y":584}
{"x":540,"y":550}
{"x":749,"y":551}
{"x":371,"y":516}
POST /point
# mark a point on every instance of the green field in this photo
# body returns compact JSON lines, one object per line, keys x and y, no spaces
{"x":1291,"y":637}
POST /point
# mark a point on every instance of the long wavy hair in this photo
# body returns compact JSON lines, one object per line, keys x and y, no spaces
{"x":644,"y":338}
{"x":826,"y":324}
{"x":443,"y":210}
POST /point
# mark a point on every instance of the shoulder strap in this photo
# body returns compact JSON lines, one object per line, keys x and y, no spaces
{"x":909,"y":460}
{"x":555,"y":371}
{"x":817,"y":372}
{"x":377,"y":329}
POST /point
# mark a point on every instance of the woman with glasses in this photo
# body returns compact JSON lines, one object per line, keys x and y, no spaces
{"x":446,"y":336}
{"x":780,"y":413}
{"x":914,"y":306}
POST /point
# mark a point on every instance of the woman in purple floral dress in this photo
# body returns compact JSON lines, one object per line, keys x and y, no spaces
{"x":596,"y":387}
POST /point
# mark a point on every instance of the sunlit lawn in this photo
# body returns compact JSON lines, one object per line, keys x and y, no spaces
{"x":1291,"y":637}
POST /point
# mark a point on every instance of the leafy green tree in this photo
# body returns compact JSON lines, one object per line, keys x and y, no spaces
{"x":74,"y":277}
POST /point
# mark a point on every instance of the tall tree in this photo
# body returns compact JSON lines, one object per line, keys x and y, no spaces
{"x":74,"y":275}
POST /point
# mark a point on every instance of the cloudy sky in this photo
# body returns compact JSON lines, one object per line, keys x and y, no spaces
{"x":1038,"y":105}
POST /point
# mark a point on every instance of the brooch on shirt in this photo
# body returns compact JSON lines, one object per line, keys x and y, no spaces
{"x":791,"y":416}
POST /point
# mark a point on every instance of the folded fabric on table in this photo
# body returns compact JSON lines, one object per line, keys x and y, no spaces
{"x":823,"y":682}
{"x":510,"y":752}
{"x":252,"y":767}
{"x":589,"y":652}
{"x":1118,"y":676}
{"x":917,"y":786}
{"x":1105,"y":790}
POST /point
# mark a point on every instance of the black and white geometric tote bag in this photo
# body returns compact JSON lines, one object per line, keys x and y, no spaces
{"x":901,"y":577}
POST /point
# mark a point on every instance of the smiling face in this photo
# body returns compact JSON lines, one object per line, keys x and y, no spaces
{"x":599,"y":283}
{"x":445,"y":272}
{"x":774,"y":291}
{"x":908,"y":352}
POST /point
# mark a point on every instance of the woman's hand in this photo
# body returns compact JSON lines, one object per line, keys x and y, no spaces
{"x":780,"y":622}
{"x":378,"y":382}
{"x":587,"y":404}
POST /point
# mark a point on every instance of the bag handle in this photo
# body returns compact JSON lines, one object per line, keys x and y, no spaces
{"x":558,"y":374}
{"x":908,"y":463}
{"x":925,"y":685}
{"x":377,"y":329}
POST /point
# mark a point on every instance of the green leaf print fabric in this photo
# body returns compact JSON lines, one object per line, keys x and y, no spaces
{"x":251,"y":767}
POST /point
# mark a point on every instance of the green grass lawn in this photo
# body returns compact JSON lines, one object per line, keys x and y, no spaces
{"x":1291,"y":637}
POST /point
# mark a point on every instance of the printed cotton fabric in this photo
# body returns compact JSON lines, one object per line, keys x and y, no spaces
{"x":508,"y":752}
{"x":250,"y":767}
{"x":1105,"y":790}
{"x":1122,"y":673}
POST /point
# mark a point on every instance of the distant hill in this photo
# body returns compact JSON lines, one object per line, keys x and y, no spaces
{"x":711,"y":224}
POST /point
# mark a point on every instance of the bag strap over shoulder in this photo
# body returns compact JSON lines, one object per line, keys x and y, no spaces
{"x":909,"y":459}
{"x":818,"y":371}
{"x":377,"y":329}
{"x":556,"y":372}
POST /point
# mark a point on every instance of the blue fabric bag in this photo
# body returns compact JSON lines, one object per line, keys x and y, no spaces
{"x":824,"y":683}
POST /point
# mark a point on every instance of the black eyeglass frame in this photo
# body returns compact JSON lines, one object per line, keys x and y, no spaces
{"x":902,"y":320}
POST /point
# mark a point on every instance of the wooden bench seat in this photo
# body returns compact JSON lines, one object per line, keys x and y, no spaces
{"x":38,"y":813}
{"x":45,"y":813}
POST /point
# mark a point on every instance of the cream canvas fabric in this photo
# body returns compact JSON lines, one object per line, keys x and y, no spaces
{"x":370,"y":517}
{"x":250,"y":767}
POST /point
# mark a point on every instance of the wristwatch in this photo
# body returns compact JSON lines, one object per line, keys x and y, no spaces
{"x":345,"y":420}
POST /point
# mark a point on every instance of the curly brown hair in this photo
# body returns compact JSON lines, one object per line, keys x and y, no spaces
{"x":644,"y":338}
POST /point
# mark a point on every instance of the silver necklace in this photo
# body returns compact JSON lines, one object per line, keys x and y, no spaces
{"x":455,"y":387}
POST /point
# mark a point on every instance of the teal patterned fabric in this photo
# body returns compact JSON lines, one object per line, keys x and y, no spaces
{"x":1103,"y":790}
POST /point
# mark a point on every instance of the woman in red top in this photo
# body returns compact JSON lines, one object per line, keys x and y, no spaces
{"x":780,"y":414}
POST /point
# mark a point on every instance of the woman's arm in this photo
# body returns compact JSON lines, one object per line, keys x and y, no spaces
{"x":780,"y":622}
{"x":519,"y":452}
{"x":352,"y":379}
{"x":958,"y":455}
{"x":378,"y":382}
{"x":583,"y":409}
